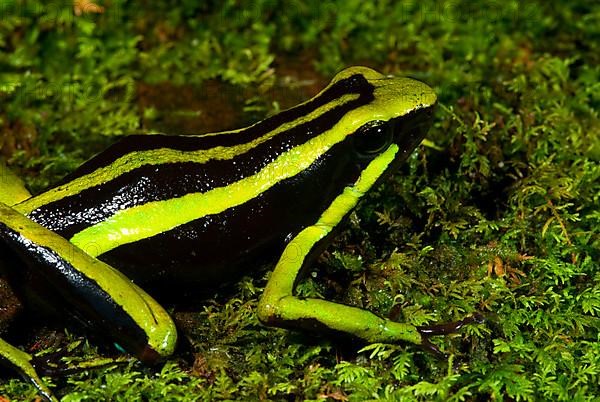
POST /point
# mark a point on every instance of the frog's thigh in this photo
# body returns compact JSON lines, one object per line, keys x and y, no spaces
{"x":100,"y":294}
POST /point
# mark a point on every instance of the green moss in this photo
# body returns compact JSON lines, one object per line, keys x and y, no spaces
{"x":499,"y":214}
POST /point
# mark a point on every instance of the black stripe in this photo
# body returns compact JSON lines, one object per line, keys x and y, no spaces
{"x":355,"y":84}
{"x":148,"y":183}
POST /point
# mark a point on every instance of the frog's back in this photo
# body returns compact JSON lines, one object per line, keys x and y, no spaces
{"x":199,"y":208}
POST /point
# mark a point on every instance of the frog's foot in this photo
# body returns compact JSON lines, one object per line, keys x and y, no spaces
{"x":21,"y":362}
{"x":49,"y":364}
{"x":54,"y":364}
{"x":427,"y":331}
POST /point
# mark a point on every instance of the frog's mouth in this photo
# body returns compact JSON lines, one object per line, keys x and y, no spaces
{"x":410,"y":129}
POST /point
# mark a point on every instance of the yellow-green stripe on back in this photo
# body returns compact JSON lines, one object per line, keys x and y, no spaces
{"x":161,"y":156}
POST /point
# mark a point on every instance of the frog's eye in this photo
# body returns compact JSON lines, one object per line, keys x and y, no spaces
{"x":373,"y":138}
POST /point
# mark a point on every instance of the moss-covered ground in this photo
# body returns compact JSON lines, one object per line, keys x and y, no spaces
{"x":498,"y":212}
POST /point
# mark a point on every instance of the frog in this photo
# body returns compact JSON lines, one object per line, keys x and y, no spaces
{"x":156,"y":211}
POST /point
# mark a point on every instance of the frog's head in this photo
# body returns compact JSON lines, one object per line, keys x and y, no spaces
{"x":353,"y":132}
{"x":393,"y":110}
{"x":342,"y":141}
{"x":362,"y":123}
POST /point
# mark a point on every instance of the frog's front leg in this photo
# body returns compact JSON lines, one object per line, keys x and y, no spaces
{"x":279,"y":306}
{"x":92,"y":291}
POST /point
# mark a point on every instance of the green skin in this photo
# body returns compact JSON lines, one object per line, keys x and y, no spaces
{"x":278,"y":304}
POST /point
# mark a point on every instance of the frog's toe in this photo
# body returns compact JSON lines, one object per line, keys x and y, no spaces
{"x":447,"y":328}
{"x":432,"y":348}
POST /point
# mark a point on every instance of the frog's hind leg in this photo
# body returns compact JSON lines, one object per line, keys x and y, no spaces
{"x":94,"y":293}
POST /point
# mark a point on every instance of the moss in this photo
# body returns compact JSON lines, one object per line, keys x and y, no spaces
{"x":497,"y":214}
